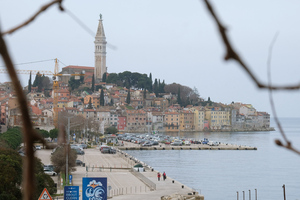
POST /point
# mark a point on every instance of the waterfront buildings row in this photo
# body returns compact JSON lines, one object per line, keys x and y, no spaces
{"x":141,"y":115}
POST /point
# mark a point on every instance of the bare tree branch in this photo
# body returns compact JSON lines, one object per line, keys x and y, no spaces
{"x":288,"y":144}
{"x":231,"y":54}
{"x":31,"y":19}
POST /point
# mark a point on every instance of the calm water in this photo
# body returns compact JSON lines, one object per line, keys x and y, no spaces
{"x":220,"y":174}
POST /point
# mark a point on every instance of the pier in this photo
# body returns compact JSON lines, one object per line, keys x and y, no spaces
{"x":221,"y":146}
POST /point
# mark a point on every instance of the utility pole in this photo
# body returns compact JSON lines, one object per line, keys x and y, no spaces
{"x":67,"y":150}
{"x":284,"y":191}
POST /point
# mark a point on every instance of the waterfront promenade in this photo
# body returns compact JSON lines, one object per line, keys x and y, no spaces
{"x":122,"y":184}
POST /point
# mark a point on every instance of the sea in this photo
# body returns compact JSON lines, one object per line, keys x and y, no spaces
{"x":235,"y":174}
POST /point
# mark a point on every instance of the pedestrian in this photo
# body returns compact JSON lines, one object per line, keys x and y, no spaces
{"x":164,"y":176}
{"x":158,"y":176}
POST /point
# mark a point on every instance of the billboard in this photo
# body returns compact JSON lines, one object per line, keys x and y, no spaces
{"x":71,"y":193}
{"x":94,"y":188}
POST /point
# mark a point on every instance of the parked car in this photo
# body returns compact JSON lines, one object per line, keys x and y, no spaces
{"x":50,"y":172}
{"x":211,"y":143}
{"x":38,"y":147}
{"x":79,"y":162}
{"x":188,"y":143}
{"x":204,"y":141}
{"x":83,"y":146}
{"x":147,"y":144}
{"x":176,"y":143}
{"x":79,"y":151}
{"x":49,"y":167}
{"x":108,"y":149}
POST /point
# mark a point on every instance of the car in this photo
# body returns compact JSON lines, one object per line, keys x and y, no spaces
{"x":108,"y":149}
{"x":176,"y":143}
{"x":79,"y":162}
{"x":38,"y":147}
{"x":147,"y":144}
{"x":83,"y":146}
{"x":211,"y":143}
{"x":50,"y":172}
{"x":187,"y":143}
{"x":79,"y":151}
{"x":49,"y":167}
{"x":205,"y":141}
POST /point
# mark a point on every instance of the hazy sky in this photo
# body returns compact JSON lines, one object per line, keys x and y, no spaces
{"x":175,"y":40}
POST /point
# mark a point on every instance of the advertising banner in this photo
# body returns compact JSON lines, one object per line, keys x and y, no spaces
{"x":94,"y":188}
{"x":71,"y":193}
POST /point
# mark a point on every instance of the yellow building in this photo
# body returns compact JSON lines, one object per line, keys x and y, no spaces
{"x":199,"y":118}
{"x":95,"y":99}
{"x":218,"y":118}
{"x":172,"y":121}
{"x":186,"y":120}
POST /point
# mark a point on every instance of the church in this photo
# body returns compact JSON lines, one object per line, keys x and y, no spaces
{"x":100,"y":60}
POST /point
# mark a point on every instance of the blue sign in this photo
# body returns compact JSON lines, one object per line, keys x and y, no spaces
{"x":71,"y":193}
{"x":70,"y":177}
{"x":94,"y":188}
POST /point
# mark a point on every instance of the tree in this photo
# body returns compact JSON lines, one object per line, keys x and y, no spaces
{"x":155,"y":87}
{"x":102,"y":98}
{"x":58,"y":158}
{"x":93,"y":83}
{"x":29,"y":83}
{"x":10,"y":174}
{"x":128,"y":97}
{"x":44,"y":133}
{"x":179,"y":97}
{"x":104,"y":77}
{"x":90,"y":105}
{"x":53,"y":133}
{"x":111,"y":130}
{"x":150,"y":83}
{"x":12,"y":137}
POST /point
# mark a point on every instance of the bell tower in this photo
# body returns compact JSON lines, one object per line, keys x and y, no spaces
{"x":100,"y":51}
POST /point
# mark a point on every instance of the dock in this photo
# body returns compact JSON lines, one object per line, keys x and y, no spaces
{"x":191,"y":147}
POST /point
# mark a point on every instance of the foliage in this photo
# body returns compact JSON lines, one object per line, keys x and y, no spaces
{"x":53,"y":133}
{"x":29,"y":83}
{"x":58,"y":158}
{"x":42,"y":82}
{"x":42,"y":180}
{"x":111,"y":130}
{"x":128,"y":79}
{"x":128,"y":97}
{"x":188,"y":95}
{"x":98,"y":87}
{"x":102,"y":98}
{"x":93,"y":83}
{"x":44,"y":133}
{"x":90,"y":105}
{"x":12,"y":137}
{"x":74,"y":84}
{"x":104,"y":77}
{"x":10,"y":174}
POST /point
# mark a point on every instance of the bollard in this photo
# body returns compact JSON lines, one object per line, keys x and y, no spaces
{"x":173,"y":181}
{"x":182,"y":186}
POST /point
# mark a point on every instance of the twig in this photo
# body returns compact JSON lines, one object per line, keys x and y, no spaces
{"x":31,"y":19}
{"x":231,"y":54}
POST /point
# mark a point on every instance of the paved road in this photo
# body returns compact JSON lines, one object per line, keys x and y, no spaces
{"x":123,"y":184}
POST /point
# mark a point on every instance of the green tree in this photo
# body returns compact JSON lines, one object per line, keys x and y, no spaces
{"x":111,"y":130}
{"x":90,"y":105}
{"x":10,"y":174}
{"x":102,"y":98}
{"x":155,"y":87}
{"x":44,"y":133}
{"x":53,"y":133}
{"x":150,"y":83}
{"x":128,"y":97}
{"x":29,"y":83}
{"x":179,"y":97}
{"x":42,"y":180}
{"x":93,"y":83}
{"x":104,"y":77}
{"x":12,"y":137}
{"x":74,"y":84}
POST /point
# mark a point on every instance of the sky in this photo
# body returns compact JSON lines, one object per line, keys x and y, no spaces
{"x":175,"y":40}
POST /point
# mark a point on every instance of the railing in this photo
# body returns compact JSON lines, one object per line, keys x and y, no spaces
{"x":144,"y":179}
{"x":127,"y":190}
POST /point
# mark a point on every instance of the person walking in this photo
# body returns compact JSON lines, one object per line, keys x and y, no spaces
{"x":158,"y":176}
{"x":164,"y":176}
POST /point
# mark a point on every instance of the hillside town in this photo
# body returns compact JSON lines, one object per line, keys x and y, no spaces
{"x":150,"y":114}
